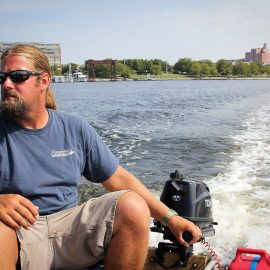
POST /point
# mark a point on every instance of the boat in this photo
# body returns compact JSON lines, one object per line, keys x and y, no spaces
{"x":78,"y":76}
{"x":58,"y":79}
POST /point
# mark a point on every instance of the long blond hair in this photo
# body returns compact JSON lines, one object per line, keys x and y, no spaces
{"x":39,"y":62}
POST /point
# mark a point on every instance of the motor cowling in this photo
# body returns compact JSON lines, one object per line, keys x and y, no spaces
{"x":191,"y":199}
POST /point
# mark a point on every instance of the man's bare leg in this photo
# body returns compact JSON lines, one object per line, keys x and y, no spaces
{"x":129,"y":244}
{"x":8,"y":248}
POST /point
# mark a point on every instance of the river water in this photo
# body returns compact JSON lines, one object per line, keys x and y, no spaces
{"x":215,"y":131}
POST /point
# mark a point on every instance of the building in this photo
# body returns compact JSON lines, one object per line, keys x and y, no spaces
{"x":51,"y":50}
{"x":258,"y":55}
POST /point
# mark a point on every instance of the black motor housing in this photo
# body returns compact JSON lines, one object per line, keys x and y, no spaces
{"x":189,"y":198}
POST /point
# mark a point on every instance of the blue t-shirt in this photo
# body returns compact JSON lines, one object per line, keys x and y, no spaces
{"x":45,"y":165}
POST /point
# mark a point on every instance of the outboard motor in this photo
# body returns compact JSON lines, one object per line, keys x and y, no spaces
{"x":191,"y":199}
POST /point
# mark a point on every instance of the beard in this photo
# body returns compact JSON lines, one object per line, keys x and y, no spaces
{"x":13,"y":106}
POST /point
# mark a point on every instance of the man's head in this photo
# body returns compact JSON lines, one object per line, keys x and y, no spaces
{"x":35,"y":68}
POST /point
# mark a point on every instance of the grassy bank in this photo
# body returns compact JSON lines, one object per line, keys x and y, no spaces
{"x":171,"y":76}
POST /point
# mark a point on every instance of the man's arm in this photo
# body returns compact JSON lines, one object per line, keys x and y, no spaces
{"x":17,"y":211}
{"x":122,"y":179}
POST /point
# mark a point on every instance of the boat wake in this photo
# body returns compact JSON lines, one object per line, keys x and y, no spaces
{"x":241,"y":194}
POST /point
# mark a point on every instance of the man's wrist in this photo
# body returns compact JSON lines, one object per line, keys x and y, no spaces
{"x":165,"y":219}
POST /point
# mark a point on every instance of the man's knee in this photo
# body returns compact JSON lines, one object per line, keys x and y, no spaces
{"x":8,"y":246}
{"x":132,"y":211}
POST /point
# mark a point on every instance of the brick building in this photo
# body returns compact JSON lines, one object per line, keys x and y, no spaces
{"x":51,"y":50}
{"x":258,"y":55}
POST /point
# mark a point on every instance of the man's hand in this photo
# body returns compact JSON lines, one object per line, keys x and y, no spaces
{"x":178,"y":225}
{"x":17,"y":211}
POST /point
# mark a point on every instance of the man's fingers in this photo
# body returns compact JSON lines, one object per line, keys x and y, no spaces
{"x":30,"y":206}
{"x":9,"y":221}
{"x":183,"y":242}
{"x":25,"y":214}
{"x":18,"y":219}
{"x":197,"y":235}
{"x":17,"y":211}
{"x":192,"y":236}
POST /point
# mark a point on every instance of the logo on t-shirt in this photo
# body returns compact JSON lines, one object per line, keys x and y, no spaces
{"x":62,"y":153}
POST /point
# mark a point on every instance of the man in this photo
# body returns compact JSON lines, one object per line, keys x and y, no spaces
{"x":43,"y":154}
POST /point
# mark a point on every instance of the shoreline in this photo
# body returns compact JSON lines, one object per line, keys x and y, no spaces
{"x":194,"y":78}
{"x":181,"y":79}
{"x":172,"y":79}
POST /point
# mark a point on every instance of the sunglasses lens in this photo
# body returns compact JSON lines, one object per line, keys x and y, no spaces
{"x":19,"y":76}
{"x":3,"y":77}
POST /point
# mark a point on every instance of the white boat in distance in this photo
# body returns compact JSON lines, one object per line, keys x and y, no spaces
{"x":79,"y":77}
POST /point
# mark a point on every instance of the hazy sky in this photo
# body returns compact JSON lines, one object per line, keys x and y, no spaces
{"x":118,"y":29}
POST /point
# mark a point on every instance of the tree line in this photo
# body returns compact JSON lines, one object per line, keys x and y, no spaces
{"x":186,"y":66}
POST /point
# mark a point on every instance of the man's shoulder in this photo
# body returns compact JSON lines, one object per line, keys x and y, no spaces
{"x":72,"y":120}
{"x":66,"y":117}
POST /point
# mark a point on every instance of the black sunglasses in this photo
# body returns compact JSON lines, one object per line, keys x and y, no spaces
{"x":17,"y":76}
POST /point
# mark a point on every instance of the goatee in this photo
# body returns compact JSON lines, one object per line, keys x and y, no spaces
{"x":13,"y":106}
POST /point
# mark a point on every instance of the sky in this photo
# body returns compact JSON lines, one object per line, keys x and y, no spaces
{"x":127,"y":29}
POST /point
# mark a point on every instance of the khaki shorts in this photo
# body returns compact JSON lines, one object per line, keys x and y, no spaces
{"x":71,"y":239}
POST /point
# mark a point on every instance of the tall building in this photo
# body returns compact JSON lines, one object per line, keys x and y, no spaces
{"x":258,"y":55}
{"x":51,"y":50}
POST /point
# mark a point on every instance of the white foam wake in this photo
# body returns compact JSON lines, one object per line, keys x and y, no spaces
{"x":242,"y":194}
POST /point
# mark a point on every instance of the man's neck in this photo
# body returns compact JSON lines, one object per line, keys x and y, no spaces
{"x":35,"y":120}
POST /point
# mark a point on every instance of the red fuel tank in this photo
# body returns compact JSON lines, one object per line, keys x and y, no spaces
{"x":250,"y":259}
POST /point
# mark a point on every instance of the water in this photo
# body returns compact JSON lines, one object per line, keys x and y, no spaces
{"x":216,"y":131}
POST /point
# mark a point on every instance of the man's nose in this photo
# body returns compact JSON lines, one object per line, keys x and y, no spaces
{"x":8,"y":83}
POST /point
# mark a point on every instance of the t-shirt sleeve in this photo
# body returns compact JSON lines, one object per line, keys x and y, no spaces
{"x":100,"y":162}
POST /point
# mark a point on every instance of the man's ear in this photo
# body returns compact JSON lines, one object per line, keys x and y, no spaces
{"x":44,"y":81}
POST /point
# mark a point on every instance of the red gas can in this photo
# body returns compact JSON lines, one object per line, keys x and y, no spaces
{"x":250,"y":259}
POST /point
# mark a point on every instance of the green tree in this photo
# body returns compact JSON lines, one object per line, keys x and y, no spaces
{"x":224,"y":67}
{"x":56,"y":70}
{"x":142,"y":66}
{"x":137,"y":65}
{"x":183,"y":65}
{"x":123,"y":70}
{"x":241,"y":69}
{"x":65,"y":68}
{"x":262,"y":68}
{"x":195,"y":69}
{"x":155,"y":69}
{"x":102,"y":70}
{"x":165,"y":66}
{"x":267,"y":70}
{"x":213,"y":70}
{"x":147,"y":66}
{"x":255,"y":68}
{"x":205,"y":69}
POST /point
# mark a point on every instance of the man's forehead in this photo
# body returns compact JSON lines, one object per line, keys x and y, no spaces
{"x":14,"y":62}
